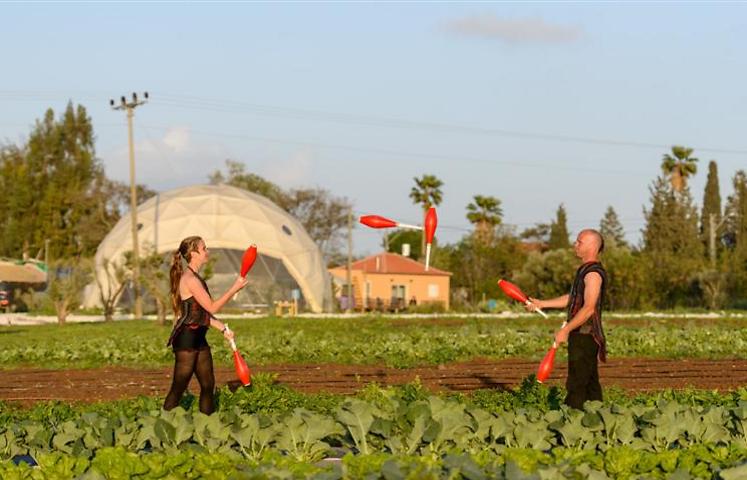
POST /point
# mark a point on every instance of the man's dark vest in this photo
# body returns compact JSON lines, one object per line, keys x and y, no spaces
{"x":593,"y":326}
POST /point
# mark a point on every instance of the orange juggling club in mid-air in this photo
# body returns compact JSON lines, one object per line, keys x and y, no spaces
{"x":515,"y":292}
{"x":247,"y":261}
{"x":429,"y":228}
{"x":242,"y":370}
{"x":543,"y":372}
{"x":431,"y":221}
{"x":377,"y":221}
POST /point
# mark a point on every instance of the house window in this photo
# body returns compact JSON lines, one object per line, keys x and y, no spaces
{"x":432,"y":290}
{"x":398,"y":291}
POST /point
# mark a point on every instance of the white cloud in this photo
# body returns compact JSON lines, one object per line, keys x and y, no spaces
{"x":177,"y":139}
{"x":291,"y":172}
{"x":514,"y":31}
{"x":173,"y":157}
{"x":167,"y":160}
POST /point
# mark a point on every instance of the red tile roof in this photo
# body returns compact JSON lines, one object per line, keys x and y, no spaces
{"x":393,"y":263}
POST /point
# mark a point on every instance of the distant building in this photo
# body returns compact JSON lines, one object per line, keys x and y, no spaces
{"x":388,"y":281}
{"x":32,"y":273}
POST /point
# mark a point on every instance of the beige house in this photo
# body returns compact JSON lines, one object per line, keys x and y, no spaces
{"x":388,"y":281}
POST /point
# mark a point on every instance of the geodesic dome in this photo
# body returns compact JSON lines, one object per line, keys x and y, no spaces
{"x":229,"y":219}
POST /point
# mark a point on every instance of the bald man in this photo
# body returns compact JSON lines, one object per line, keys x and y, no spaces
{"x":583,"y":330}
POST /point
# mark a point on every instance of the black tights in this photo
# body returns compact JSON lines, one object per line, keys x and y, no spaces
{"x":199,"y":362}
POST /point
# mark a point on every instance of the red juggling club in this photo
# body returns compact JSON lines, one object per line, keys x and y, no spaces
{"x":242,"y":370}
{"x":247,"y":261}
{"x":431,"y":221}
{"x":543,"y":372}
{"x":377,"y":221}
{"x":515,"y":292}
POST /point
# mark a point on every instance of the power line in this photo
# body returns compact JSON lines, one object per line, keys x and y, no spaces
{"x":191,"y":102}
{"x":232,"y":106}
{"x":396,"y":153}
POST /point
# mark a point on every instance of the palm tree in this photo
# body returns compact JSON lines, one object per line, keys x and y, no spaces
{"x":485,"y":213}
{"x":679,"y":166}
{"x":427,"y":193}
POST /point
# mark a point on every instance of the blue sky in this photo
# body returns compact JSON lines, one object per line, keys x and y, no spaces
{"x":360,"y":98}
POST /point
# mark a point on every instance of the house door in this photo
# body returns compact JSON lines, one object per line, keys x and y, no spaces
{"x":398,"y":296}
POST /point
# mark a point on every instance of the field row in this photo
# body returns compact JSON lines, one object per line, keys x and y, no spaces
{"x":702,"y":461}
{"x":390,"y":433}
{"x":393,"y":342}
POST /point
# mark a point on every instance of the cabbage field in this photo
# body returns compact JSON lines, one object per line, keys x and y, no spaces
{"x":410,"y":430}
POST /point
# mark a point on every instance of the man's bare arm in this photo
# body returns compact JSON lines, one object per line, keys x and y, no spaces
{"x":557,"y":302}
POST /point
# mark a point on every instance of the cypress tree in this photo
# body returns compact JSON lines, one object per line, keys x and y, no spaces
{"x":736,"y":233}
{"x":671,"y":244}
{"x":559,"y":230}
{"x":711,"y":205}
{"x":611,"y":229}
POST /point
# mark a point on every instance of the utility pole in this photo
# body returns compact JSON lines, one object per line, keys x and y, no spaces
{"x":129,"y":107}
{"x":713,"y":226}
{"x":348,"y":277}
{"x":712,"y":238}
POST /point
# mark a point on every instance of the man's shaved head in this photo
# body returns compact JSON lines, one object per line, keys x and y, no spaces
{"x":593,"y":236}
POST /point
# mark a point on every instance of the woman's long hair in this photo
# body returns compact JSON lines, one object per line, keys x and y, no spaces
{"x":188,"y":245}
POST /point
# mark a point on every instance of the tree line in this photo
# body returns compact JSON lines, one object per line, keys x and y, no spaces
{"x":686,"y":258}
{"x":58,"y":203}
{"x":57,"y":195}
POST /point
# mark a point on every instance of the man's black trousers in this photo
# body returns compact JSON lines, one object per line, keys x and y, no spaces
{"x":583,"y":376}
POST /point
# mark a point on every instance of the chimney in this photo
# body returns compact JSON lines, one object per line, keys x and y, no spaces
{"x":378,"y":263}
{"x":405,"y":249}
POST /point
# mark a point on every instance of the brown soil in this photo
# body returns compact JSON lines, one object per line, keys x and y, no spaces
{"x":32,"y":385}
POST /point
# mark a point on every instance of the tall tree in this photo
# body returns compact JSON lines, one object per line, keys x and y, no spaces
{"x":611,"y":229}
{"x":713,"y":281}
{"x":426,"y":193}
{"x":736,"y":212}
{"x":671,"y":244}
{"x":485,"y":213}
{"x":559,"y":230}
{"x":20,"y":196}
{"x":64,"y":152}
{"x":711,"y":213}
{"x":736,"y":233}
{"x":55,"y":189}
{"x":679,"y":166}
